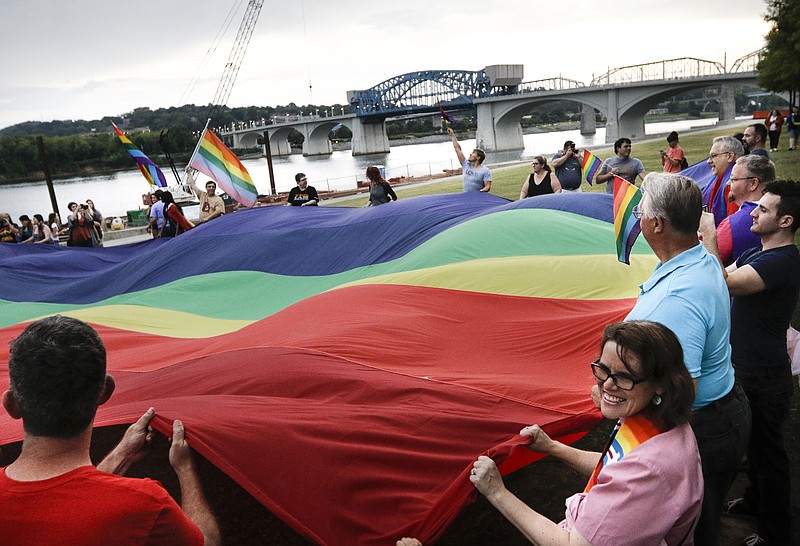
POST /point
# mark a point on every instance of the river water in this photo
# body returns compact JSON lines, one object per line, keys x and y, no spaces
{"x":117,"y":193}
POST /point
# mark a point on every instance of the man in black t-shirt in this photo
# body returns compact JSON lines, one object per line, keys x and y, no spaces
{"x":764,"y":283}
{"x":302,"y":195}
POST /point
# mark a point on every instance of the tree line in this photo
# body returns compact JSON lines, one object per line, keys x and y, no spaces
{"x":81,"y":146}
{"x":778,"y":69}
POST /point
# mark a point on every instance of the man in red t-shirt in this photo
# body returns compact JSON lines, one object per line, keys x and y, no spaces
{"x":57,"y":372}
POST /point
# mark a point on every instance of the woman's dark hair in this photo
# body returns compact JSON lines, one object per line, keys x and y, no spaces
{"x":24,"y":218}
{"x":660,"y":358}
{"x":374,"y":175}
{"x":672,"y":137}
{"x":167,"y":198}
{"x":543,"y":161}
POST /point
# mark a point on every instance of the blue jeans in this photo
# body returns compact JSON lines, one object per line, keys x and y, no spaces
{"x":722,"y":429}
{"x":769,"y":390}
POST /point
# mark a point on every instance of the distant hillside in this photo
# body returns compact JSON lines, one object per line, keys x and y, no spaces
{"x":190,"y":116}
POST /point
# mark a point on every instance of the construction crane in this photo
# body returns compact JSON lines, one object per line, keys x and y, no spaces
{"x":237,"y":53}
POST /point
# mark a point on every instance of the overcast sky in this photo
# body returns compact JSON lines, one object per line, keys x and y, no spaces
{"x":85,"y":59}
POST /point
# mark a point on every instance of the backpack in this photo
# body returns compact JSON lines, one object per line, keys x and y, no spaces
{"x":684,"y":163}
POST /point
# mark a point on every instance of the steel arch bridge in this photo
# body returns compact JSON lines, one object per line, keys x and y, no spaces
{"x":420,"y":92}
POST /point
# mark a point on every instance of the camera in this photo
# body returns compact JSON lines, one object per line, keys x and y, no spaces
{"x":84,"y":206}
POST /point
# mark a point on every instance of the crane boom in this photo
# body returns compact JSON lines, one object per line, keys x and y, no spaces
{"x":237,"y":52}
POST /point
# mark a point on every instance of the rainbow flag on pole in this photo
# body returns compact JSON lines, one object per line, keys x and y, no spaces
{"x":149,"y":169}
{"x":626,"y":225}
{"x":214,"y":159}
{"x":591,"y":164}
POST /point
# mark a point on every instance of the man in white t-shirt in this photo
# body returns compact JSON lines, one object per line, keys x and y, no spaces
{"x":476,"y":176}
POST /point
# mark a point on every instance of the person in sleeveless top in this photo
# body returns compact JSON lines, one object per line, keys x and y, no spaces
{"x":541,"y":181}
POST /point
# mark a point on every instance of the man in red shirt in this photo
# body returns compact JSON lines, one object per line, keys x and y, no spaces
{"x":57,"y":372}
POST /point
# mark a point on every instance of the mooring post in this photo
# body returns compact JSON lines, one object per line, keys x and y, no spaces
{"x":47,"y":177}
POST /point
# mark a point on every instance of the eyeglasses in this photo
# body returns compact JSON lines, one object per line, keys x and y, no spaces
{"x":624,"y":381}
{"x":743,"y":178}
{"x":304,"y":180}
{"x":535,"y":163}
{"x":637,"y":212}
{"x":712,"y":156}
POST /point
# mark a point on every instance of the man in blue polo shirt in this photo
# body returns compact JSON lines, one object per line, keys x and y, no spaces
{"x":687,"y":293}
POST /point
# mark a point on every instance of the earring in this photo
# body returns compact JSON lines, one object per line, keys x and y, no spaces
{"x":656,"y":400}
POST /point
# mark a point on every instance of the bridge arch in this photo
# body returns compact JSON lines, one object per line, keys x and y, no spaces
{"x":420,"y":91}
{"x":249,"y":139}
{"x":317,"y":141}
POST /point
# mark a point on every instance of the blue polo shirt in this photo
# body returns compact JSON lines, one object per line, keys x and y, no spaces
{"x":689,"y":296}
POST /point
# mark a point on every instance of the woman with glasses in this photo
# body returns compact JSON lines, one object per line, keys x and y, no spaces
{"x":647,"y":485}
{"x":541,"y":181}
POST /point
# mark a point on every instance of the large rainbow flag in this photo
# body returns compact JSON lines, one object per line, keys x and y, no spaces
{"x":214,"y":159}
{"x":149,"y":169}
{"x":626,"y":225}
{"x":354,"y":361}
{"x":590,"y":164}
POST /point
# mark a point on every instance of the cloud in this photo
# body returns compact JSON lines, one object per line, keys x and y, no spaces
{"x":91,"y":58}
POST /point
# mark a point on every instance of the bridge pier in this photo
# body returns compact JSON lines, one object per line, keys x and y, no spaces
{"x":279,"y":142}
{"x":630,"y":121}
{"x":279,"y":147}
{"x":497,"y":133}
{"x":316,"y":141}
{"x":588,"y":120}
{"x":727,"y":102}
{"x":369,"y":138}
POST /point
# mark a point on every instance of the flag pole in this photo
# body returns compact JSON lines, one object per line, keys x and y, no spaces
{"x":196,"y":148}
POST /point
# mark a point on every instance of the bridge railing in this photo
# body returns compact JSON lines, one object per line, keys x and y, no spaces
{"x":684,"y":67}
{"x":749,"y":62}
{"x":550,"y":84}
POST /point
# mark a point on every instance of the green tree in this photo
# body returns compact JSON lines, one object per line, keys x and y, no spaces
{"x":778,"y":69}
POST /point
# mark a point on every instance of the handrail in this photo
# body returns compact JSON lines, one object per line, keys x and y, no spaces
{"x":670,"y":69}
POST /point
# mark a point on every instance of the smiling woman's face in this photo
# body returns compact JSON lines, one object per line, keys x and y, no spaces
{"x":616,"y":403}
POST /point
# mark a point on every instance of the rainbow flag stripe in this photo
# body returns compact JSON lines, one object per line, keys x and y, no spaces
{"x":591,"y":164}
{"x":629,"y":433}
{"x":445,"y":267}
{"x":633,"y":432}
{"x":149,"y":169}
{"x":214,"y":159}
{"x":626,"y":226}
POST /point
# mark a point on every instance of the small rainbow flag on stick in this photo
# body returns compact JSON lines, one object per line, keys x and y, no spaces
{"x":149,"y":169}
{"x":448,"y":119}
{"x":214,"y":159}
{"x":626,"y":225}
{"x":591,"y":164}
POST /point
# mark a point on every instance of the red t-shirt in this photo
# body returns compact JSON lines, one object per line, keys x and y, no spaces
{"x":87,"y":507}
